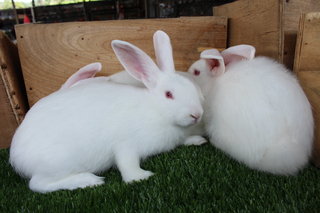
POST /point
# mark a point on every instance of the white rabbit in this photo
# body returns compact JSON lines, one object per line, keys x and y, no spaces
{"x":255,"y":110}
{"x":164,"y":56}
{"x":74,"y":133}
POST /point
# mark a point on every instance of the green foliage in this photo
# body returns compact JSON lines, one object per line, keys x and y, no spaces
{"x":55,"y":2}
{"x":7,"y":4}
{"x":188,"y":179}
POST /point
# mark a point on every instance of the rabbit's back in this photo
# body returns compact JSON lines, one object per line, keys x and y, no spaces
{"x":80,"y":127}
{"x":258,"y":113}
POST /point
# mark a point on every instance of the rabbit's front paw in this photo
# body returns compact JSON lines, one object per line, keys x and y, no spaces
{"x":137,"y":176}
{"x":195,"y":140}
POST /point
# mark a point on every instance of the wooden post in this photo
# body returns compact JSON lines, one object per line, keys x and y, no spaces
{"x":13,"y":103}
{"x":307,"y":68}
{"x":84,"y":10}
{"x":32,"y":12}
{"x":145,"y":8}
{"x":15,"y":11}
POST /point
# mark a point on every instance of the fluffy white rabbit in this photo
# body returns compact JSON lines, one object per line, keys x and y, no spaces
{"x":74,"y":133}
{"x":164,"y":56}
{"x":255,"y":110}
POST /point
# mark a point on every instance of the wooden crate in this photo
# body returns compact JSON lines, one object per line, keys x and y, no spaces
{"x":50,"y":53}
{"x":307,"y":67}
{"x":12,"y":96}
{"x":269,"y":25}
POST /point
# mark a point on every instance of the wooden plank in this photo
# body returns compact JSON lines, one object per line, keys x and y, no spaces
{"x":292,"y":11}
{"x":308,"y":44}
{"x":12,"y":98}
{"x":294,"y":8}
{"x":8,"y":123}
{"x":255,"y":22}
{"x":269,"y":25}
{"x":50,"y":53}
{"x":299,"y":44}
{"x":310,"y":81}
{"x":307,"y":68}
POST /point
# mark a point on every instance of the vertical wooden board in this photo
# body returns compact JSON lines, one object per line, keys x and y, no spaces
{"x":307,"y":67}
{"x":12,"y":99}
{"x":50,"y":53}
{"x":294,"y":8}
{"x":296,"y":65}
{"x":12,"y":75}
{"x":308,"y":44}
{"x":255,"y":22}
{"x":8,"y":122}
{"x":292,"y":11}
{"x":310,"y":81}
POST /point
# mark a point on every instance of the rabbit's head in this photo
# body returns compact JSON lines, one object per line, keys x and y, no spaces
{"x":212,"y":63}
{"x":173,"y":95}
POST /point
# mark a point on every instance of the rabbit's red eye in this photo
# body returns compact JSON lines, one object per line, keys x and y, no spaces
{"x":196,"y":72}
{"x":169,"y":95}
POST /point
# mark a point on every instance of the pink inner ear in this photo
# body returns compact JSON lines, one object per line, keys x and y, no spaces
{"x":133,"y":61}
{"x":237,"y":53}
{"x":78,"y":77}
{"x":230,"y":58}
{"x":82,"y":76}
{"x":213,"y":63}
{"x":85,"y":72}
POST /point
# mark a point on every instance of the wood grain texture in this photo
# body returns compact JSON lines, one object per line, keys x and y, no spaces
{"x":13,"y":104}
{"x":254,"y":22}
{"x":310,"y":81}
{"x":8,"y":122}
{"x":307,"y":68}
{"x":50,"y":53}
{"x":292,"y":12}
{"x":308,"y":44}
{"x":269,"y":25}
{"x":294,"y":8}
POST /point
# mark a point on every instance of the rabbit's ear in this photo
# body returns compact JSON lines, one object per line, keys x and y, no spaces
{"x":215,"y":61}
{"x":237,"y":53}
{"x":163,"y":51}
{"x":136,"y":62}
{"x":85,"y":72}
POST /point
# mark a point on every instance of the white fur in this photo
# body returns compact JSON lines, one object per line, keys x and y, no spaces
{"x":257,"y":113}
{"x":77,"y":132}
{"x":194,"y":135}
{"x":164,"y":57}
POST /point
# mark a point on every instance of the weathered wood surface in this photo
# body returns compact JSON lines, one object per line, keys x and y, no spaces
{"x":50,"y":53}
{"x":13,"y":102}
{"x":307,"y":67}
{"x":254,"y":22}
{"x":292,"y":10}
{"x":310,"y":81}
{"x":308,"y":44}
{"x":269,"y":25}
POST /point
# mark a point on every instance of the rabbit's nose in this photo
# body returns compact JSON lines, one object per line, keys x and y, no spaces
{"x":195,"y":117}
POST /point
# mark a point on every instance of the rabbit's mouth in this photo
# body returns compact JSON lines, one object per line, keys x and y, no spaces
{"x":189,"y":120}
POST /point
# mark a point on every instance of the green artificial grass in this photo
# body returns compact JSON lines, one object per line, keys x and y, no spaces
{"x":188,"y":179}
